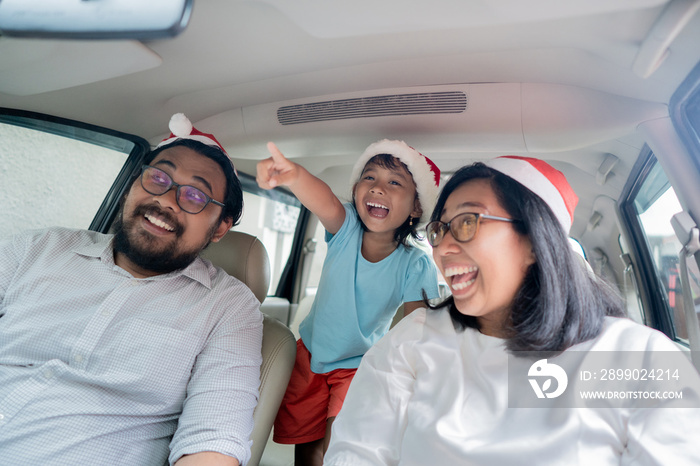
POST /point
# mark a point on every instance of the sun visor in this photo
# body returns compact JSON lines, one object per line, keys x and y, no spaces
{"x":32,"y":67}
{"x":560,"y":118}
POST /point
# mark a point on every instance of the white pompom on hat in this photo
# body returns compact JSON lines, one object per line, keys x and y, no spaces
{"x":181,"y":128}
{"x":542,"y":179}
{"x":426,"y":175}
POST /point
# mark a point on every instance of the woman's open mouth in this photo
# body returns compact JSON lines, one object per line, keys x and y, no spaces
{"x":461,"y":277}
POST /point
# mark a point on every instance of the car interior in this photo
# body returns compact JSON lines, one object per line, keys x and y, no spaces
{"x":606,"y":91}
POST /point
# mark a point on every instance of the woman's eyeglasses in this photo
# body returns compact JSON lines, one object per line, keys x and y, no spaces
{"x":463,"y":227}
{"x":190,"y":199}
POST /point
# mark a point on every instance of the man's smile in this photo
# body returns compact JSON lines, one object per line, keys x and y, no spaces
{"x":158,"y":222}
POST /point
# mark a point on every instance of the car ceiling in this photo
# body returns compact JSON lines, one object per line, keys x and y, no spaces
{"x":565,"y":81}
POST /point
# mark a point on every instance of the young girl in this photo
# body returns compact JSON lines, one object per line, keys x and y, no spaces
{"x":370,"y":269}
{"x":441,"y":387}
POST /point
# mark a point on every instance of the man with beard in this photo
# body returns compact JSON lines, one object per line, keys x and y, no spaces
{"x":129,"y":348}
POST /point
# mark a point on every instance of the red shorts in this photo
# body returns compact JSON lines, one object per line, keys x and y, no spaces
{"x":309,"y":401}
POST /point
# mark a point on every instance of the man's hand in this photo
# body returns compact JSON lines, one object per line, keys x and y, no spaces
{"x":276,"y":170}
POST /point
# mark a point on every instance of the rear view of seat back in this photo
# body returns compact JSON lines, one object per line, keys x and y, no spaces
{"x":244,"y":257}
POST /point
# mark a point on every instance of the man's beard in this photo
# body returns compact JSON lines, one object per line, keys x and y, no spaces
{"x":140,"y":247}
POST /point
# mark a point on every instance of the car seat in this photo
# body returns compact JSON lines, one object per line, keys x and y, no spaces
{"x":244,"y":257}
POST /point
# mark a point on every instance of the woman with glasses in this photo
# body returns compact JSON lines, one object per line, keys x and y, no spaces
{"x":495,"y":373}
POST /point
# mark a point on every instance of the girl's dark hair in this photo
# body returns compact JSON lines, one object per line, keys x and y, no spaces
{"x":559,"y":303}
{"x":233,"y":199}
{"x":406,"y":230}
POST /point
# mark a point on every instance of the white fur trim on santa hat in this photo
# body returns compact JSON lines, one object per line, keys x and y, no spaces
{"x":181,"y":128}
{"x":423,"y":175}
{"x":194,"y":137}
{"x":533,"y":179}
{"x":180,"y":125}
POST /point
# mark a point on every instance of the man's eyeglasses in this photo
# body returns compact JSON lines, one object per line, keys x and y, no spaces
{"x":190,"y":199}
{"x":463,"y":227}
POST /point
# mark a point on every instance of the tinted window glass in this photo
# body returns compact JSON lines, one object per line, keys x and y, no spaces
{"x":53,"y":180}
{"x":271,"y":216}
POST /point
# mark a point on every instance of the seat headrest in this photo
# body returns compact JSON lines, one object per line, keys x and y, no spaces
{"x":244,"y":257}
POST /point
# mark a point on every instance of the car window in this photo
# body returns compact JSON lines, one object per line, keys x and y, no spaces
{"x":655,"y":204}
{"x":54,"y":174}
{"x":272,"y":217}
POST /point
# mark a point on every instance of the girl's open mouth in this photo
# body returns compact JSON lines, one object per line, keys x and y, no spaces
{"x":377,"y":210}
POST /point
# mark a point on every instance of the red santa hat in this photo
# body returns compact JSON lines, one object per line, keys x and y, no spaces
{"x":426,"y":175}
{"x":181,"y":128}
{"x":544,"y":180}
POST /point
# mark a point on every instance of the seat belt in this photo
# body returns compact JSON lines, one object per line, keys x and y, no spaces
{"x":689,"y":236}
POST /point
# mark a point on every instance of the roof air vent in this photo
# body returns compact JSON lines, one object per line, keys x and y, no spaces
{"x":365,"y":107}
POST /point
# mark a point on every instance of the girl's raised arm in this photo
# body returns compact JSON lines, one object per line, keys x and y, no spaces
{"x":316,"y":195}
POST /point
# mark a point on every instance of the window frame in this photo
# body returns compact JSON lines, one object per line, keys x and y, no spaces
{"x":288,"y":279}
{"x":678,"y":108}
{"x":655,"y":304}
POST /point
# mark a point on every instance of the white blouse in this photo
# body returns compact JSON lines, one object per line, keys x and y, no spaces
{"x":427,"y":394}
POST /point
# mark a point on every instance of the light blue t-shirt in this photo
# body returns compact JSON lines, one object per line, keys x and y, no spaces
{"x":357,"y":299}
